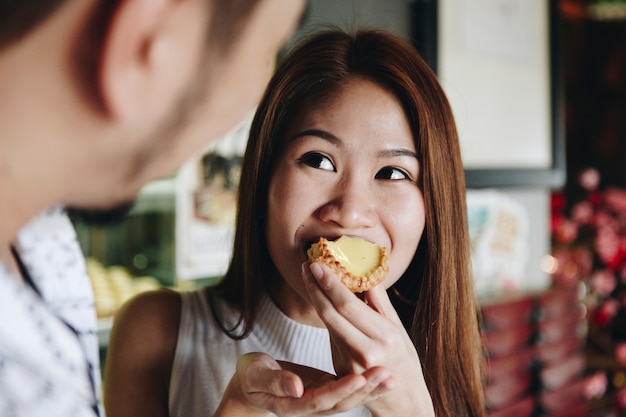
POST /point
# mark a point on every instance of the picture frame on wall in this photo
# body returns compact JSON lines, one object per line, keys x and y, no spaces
{"x":500,"y":65}
{"x":206,"y":197}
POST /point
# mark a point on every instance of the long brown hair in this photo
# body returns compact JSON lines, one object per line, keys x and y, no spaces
{"x":435,"y":296}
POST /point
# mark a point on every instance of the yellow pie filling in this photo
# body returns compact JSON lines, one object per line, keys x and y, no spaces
{"x":360,"y":264}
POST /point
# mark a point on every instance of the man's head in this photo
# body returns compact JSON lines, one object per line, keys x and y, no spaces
{"x":18,"y":18}
{"x":128,"y":90}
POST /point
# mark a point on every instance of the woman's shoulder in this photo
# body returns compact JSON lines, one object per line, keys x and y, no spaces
{"x":207,"y":314}
{"x":154,"y":316}
{"x":157,"y":307}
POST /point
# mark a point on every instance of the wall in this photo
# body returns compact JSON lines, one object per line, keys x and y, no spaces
{"x":389,"y":14}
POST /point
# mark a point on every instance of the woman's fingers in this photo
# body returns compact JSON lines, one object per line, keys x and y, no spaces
{"x":260,"y":373}
{"x":335,"y":304}
{"x":269,"y":385}
{"x":380,"y":380}
{"x":378,"y":300}
{"x":329,"y":398}
{"x":335,"y":396}
{"x":342,"y":311}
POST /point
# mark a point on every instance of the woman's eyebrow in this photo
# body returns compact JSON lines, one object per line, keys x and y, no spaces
{"x":385,"y":153}
{"x":390,"y":153}
{"x":318,"y":133}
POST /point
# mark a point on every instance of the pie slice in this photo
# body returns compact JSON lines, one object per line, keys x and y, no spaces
{"x":360,"y":264}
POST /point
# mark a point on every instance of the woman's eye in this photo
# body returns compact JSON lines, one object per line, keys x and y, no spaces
{"x":317,"y":160}
{"x":391,"y":173}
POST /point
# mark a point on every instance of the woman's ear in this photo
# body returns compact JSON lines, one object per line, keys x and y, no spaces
{"x":148,"y":56}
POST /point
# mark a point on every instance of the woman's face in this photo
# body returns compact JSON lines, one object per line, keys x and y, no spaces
{"x":349,"y":168}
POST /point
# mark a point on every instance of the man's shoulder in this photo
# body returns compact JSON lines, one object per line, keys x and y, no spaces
{"x":42,"y":366}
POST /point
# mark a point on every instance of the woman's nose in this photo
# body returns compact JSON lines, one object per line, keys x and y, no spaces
{"x":352,"y":206}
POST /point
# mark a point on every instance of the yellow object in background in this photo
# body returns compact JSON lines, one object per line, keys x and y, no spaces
{"x":114,"y":285}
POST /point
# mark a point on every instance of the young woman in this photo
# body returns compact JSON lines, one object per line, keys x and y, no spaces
{"x":354,"y":136}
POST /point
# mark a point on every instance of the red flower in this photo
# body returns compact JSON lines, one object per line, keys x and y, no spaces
{"x":595,"y":198}
{"x":620,"y":353}
{"x":589,"y":179}
{"x":555,"y":219}
{"x":604,"y":220}
{"x":571,"y":266}
{"x":621,"y":398}
{"x":557,"y":203}
{"x":615,"y":199}
{"x":584,"y":260}
{"x":605,"y":313}
{"x":582,"y":212}
{"x":607,"y":247}
{"x":595,"y":385}
{"x":569,"y":269}
{"x":622,"y":274}
{"x":603,"y":282}
{"x":566,"y":231}
{"x":621,"y":251}
{"x":589,"y":245}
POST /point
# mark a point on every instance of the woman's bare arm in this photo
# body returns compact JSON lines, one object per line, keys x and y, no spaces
{"x":140,"y":354}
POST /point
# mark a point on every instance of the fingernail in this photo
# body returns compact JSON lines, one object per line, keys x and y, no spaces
{"x":381,"y":377}
{"x":390,"y":384}
{"x":291,"y":390}
{"x":317,"y":271}
{"x":358,"y":384}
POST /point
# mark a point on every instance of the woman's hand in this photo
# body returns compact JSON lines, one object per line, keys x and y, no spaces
{"x":262,"y":385}
{"x":366,"y":334}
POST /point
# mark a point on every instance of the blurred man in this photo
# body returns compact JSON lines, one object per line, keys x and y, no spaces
{"x":97,"y":98}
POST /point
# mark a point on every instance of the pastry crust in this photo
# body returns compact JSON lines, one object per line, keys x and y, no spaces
{"x":320,"y":252}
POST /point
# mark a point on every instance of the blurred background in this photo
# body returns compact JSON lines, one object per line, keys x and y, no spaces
{"x":546,"y":198}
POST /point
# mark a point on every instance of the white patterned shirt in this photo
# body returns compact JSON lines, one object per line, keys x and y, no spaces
{"x":49,"y":360}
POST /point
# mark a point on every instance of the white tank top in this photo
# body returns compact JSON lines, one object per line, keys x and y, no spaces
{"x":205,"y":357}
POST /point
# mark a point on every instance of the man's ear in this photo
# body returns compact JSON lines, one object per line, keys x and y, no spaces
{"x":142,"y":49}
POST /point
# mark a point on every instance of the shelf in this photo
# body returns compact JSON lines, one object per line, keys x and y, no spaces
{"x":104,"y":331}
{"x":609,"y":12}
{"x":599,"y":11}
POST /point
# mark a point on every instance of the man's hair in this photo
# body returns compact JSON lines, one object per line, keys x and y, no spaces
{"x":20,"y":17}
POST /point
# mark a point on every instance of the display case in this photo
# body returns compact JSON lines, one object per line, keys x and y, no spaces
{"x":133,"y":256}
